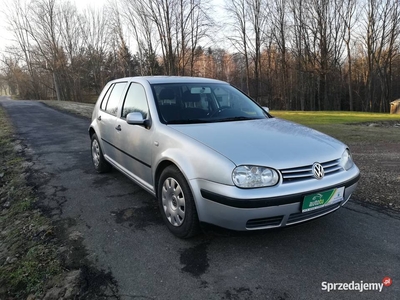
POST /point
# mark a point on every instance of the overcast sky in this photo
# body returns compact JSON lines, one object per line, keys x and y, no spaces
{"x":6,"y":36}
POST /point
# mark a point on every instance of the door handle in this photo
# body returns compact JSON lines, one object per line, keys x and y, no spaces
{"x":99,"y":118}
{"x":118,"y":128}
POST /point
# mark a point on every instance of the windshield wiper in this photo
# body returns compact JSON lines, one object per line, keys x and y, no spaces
{"x":235,"y":119}
{"x":194,"y":121}
{"x":188,"y":121}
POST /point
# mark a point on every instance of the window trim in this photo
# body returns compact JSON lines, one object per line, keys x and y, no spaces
{"x":111,"y":87}
{"x":124,"y":100}
{"x":119,"y":100}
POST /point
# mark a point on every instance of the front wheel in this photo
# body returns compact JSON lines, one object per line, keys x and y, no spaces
{"x":99,"y":162}
{"x":176,"y":203}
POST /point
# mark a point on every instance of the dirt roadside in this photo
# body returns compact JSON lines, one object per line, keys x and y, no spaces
{"x":39,"y":257}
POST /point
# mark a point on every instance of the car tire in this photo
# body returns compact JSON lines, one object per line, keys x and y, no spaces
{"x":176,"y":203}
{"x":99,"y":162}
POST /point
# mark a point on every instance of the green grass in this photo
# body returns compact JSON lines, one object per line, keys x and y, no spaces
{"x":34,"y":254}
{"x":38,"y":265}
{"x":346,"y":126}
{"x":333,"y":117}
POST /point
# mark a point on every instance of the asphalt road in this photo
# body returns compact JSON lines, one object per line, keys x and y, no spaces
{"x":123,"y":234}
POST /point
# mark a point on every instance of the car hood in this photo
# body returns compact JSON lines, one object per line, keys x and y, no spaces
{"x":269,"y":142}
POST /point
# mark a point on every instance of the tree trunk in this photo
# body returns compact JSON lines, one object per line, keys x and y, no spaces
{"x":56,"y":87}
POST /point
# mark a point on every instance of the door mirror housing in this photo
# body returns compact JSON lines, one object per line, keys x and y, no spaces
{"x":136,"y":118}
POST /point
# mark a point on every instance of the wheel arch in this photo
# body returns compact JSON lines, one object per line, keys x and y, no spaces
{"x":91,"y":132}
{"x":191,"y":225}
{"x":161,"y":167}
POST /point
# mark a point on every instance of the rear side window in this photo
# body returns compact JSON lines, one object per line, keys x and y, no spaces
{"x":135,"y":101}
{"x":105,"y":98}
{"x":113,"y":100}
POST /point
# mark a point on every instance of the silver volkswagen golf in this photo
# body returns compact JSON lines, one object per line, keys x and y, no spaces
{"x":210,"y":154}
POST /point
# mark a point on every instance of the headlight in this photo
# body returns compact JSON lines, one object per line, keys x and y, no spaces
{"x":254,"y":176}
{"x":346,"y":161}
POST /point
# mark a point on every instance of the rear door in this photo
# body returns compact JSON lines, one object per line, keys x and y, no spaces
{"x":107,"y":118}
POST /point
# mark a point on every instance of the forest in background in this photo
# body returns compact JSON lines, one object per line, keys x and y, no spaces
{"x":286,"y":54}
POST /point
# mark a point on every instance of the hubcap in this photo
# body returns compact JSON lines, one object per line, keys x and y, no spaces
{"x":173,"y":201}
{"x":95,"y":153}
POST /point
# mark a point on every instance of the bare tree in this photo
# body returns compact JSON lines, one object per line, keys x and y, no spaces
{"x":279,"y":24}
{"x":138,"y":18}
{"x":94,"y":31}
{"x":42,"y":29}
{"x":347,"y":15}
{"x":381,"y":28}
{"x":18,"y":21}
{"x":301,"y":53}
{"x":162,"y":14}
{"x":120,"y":51}
{"x":237,"y":10}
{"x":293,"y":54}
{"x":192,"y":27}
{"x":257,"y":20}
{"x":72,"y":44}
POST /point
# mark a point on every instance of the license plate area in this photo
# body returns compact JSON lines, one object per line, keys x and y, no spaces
{"x":322,"y":199}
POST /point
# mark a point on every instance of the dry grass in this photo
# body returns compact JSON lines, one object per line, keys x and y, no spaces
{"x":82,"y":109}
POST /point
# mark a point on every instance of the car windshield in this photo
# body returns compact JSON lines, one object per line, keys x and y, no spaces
{"x":188,"y":103}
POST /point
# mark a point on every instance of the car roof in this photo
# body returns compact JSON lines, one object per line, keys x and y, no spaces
{"x":169,"y":79}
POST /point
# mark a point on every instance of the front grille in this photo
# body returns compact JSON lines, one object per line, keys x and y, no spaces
{"x":305,"y":172}
{"x":264,"y":222}
{"x":298,"y":217}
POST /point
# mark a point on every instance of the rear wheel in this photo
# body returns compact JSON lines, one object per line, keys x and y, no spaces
{"x":176,"y":203}
{"x":99,"y":162}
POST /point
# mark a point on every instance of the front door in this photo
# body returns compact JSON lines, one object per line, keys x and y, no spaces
{"x":135,"y":141}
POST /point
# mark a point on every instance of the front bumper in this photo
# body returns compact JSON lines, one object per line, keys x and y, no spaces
{"x":238,"y":209}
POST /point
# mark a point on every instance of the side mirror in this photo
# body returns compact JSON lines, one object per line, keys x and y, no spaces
{"x":266,"y":109}
{"x":135,"y":118}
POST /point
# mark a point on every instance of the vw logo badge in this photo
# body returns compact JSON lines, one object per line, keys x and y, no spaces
{"x":318,"y":171}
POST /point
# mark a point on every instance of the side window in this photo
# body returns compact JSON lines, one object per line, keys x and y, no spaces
{"x":112,"y":104}
{"x":135,"y":101}
{"x":105,"y":98}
